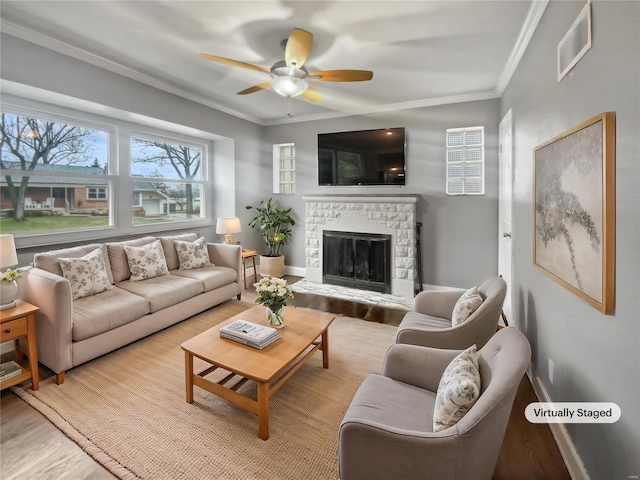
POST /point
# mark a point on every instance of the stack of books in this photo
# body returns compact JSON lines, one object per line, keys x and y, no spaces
{"x":251,"y":334}
{"x":9,"y":370}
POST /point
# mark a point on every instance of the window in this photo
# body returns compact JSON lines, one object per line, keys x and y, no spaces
{"x":51,"y":167}
{"x":465,"y":161}
{"x":284,"y":168}
{"x":97,"y":193}
{"x":161,"y":163}
{"x":68,"y":173}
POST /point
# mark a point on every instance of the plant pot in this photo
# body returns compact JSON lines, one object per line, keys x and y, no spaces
{"x":272,"y":266}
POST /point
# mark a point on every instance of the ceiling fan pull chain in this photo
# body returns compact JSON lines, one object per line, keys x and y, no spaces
{"x":289,"y":113}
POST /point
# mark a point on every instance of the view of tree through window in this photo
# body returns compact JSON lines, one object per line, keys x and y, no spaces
{"x":47,"y":170}
{"x":160,"y":199}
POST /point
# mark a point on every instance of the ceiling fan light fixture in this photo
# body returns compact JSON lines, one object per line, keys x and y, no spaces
{"x":288,"y":86}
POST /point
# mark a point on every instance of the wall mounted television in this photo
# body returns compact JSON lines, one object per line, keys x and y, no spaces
{"x":365,"y":157}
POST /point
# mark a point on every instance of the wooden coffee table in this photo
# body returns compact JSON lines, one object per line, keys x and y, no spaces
{"x":303,"y":329}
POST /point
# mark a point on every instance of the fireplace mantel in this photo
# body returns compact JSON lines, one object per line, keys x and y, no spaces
{"x":393,"y":215}
{"x":361,"y":198}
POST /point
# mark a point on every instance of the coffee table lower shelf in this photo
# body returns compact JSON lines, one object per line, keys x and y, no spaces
{"x":258,"y":407}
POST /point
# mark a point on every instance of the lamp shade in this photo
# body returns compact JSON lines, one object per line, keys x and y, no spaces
{"x":8,"y":255}
{"x":228,"y":225}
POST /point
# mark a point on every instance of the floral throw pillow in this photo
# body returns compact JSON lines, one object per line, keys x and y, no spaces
{"x":466,"y":305}
{"x":146,"y":261}
{"x":458,"y":390}
{"x":192,"y":254}
{"x":87,"y":275}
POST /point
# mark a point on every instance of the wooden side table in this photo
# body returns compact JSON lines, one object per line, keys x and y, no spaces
{"x":246,"y":255}
{"x":17,"y":322}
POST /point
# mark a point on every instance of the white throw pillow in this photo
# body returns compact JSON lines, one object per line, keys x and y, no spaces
{"x":458,"y":390}
{"x":146,"y":261}
{"x":466,"y":305}
{"x":87,"y":275}
{"x":192,"y":254}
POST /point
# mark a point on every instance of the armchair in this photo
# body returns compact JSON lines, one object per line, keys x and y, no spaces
{"x":429,"y":325}
{"x":387,"y":431}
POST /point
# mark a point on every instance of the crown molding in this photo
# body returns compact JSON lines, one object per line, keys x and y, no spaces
{"x":58,"y":46}
{"x":534,"y":15}
{"x":392,"y":107}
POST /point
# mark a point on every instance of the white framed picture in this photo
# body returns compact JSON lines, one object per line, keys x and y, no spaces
{"x":575,"y":43}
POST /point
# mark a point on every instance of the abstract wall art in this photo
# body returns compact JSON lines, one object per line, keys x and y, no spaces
{"x":574,"y":210}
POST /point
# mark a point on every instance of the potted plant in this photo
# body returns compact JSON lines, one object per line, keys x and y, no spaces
{"x":273,"y":222}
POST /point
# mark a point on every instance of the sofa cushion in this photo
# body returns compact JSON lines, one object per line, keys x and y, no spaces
{"x":169,"y":248}
{"x":415,"y":320}
{"x":146,"y":261}
{"x":458,"y":390}
{"x":193,"y":254}
{"x":118,"y":258}
{"x":384,"y":401}
{"x":466,"y":305}
{"x":211,"y":277}
{"x":164,"y":291}
{"x":87,"y":275}
{"x":49,"y":260}
{"x":105,"y":311}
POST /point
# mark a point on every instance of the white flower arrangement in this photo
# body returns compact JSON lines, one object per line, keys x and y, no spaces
{"x":11,"y":275}
{"x":273,"y":292}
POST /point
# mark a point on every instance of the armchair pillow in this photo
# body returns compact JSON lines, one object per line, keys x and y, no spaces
{"x":146,"y":261}
{"x":458,"y":390}
{"x":87,"y":275}
{"x":193,"y":255}
{"x":466,"y":305}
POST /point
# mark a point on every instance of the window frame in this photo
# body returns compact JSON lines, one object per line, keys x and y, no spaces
{"x":120,"y":128}
{"x":464,"y":163}
{"x":279,"y":171}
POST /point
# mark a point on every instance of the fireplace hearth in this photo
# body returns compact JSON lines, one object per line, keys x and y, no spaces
{"x":357,"y":260}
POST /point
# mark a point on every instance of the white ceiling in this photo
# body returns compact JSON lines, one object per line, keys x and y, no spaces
{"x":421,"y":52}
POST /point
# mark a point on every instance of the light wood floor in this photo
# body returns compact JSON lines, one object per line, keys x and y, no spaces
{"x":32,"y":448}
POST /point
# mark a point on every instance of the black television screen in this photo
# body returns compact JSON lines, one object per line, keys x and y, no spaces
{"x":366,"y":157}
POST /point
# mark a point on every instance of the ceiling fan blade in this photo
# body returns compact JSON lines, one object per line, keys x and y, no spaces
{"x":298,"y":47}
{"x":342,"y":76}
{"x":234,"y":63}
{"x":255,"y":88}
{"x":312,"y":94}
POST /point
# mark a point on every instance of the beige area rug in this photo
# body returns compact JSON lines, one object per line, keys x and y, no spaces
{"x":128,"y":410}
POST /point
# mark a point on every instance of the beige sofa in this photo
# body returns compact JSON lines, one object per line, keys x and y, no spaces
{"x":70,"y":332}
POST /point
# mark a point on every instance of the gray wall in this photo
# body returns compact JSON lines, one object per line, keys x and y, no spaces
{"x":455,"y":228}
{"x":596,"y":356}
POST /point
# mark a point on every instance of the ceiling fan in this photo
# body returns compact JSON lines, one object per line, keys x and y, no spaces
{"x":289,"y":78}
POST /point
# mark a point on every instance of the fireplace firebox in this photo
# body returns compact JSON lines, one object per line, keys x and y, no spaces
{"x":357,"y":260}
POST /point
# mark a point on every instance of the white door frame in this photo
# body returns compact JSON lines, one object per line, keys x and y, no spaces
{"x":505,"y":208}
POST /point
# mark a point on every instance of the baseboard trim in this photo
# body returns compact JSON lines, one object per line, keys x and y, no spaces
{"x":296,"y":271}
{"x":563,"y":440}
{"x":6,"y":347}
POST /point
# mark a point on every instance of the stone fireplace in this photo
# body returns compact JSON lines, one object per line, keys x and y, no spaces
{"x":386,"y":215}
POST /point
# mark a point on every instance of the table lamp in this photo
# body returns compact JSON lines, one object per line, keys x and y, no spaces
{"x":227,"y":226}
{"x":8,"y":258}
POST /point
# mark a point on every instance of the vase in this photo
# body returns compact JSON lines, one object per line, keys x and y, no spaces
{"x":275,"y":319}
{"x":8,"y":292}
